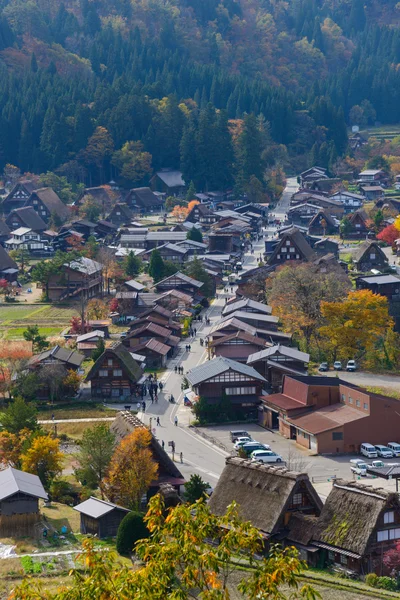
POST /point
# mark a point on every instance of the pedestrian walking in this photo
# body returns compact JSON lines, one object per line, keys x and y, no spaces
{"x":158,"y":421}
{"x":138,"y":406}
{"x":162,"y":444}
{"x":201,"y":341}
{"x":176,"y":368}
{"x":181,"y":457}
{"x":176,"y":421}
{"x":144,"y":406}
{"x":195,"y":331}
{"x":160,"y":385}
{"x":189,"y":347}
{"x":156,"y":398}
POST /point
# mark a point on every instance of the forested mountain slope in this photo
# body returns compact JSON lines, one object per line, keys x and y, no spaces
{"x":67,"y":68}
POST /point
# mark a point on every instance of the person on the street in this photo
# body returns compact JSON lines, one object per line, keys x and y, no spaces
{"x":160,"y":385}
{"x":144,"y":406}
{"x":176,"y":368}
{"x":162,"y":444}
{"x":176,"y":421}
{"x":195,"y":331}
{"x":181,"y":457}
{"x":189,"y":347}
{"x":201,"y":341}
{"x":52,"y":416}
{"x":172,"y":399}
{"x":158,"y":421}
{"x":156,"y":398}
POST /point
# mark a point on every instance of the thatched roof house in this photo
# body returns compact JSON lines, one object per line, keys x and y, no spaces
{"x":267,"y":496}
{"x":168,"y":473}
{"x":358,"y":523}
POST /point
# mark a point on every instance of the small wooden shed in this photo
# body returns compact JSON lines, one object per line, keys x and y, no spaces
{"x":100,"y":518}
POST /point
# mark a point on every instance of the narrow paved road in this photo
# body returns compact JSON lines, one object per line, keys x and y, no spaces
{"x":199,"y":455}
{"x":283,"y":205}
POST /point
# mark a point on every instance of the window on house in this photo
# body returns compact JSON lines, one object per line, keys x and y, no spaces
{"x":283,"y":250}
{"x":394,"y":534}
{"x":388,"y":517}
{"x":358,"y":403}
{"x":103,"y":373}
{"x":287,"y":242}
{"x":297,"y":256}
{"x":292,"y":249}
{"x":117,"y":372}
{"x":287,"y":256}
{"x":331,"y":556}
{"x":109,"y":362}
{"x":358,"y":225}
{"x":343,"y":559}
{"x":350,"y":400}
{"x":372,"y":256}
{"x":365,"y":406}
{"x":337,"y":435}
{"x":343,"y":398}
{"x":279,"y":257}
{"x":240,"y":391}
{"x":297,"y":499}
{"x":383,"y":536}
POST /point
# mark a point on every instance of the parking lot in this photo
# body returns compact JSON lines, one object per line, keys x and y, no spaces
{"x":321,"y":469}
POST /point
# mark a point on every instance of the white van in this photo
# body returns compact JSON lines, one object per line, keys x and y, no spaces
{"x":368,"y":450}
{"x":395,"y":448}
{"x":358,"y":466}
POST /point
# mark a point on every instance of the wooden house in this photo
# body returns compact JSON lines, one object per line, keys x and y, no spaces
{"x":101,"y":195}
{"x":369,"y":255}
{"x":357,"y":525}
{"x":291,"y":247}
{"x":322,"y":224}
{"x":276,"y":361}
{"x":46,"y":203}
{"x":20,"y":493}
{"x":80,"y":275}
{"x":372,"y":193}
{"x":155,"y":352}
{"x":326,"y":246}
{"x":8,"y":266}
{"x":87,"y":342}
{"x":350,"y":200}
{"x":384,"y":285}
{"x":236,"y":346}
{"x":267,"y":496}
{"x":180,"y":281}
{"x":18,"y":196}
{"x":143,"y":200}
{"x":172,"y":252}
{"x":26,"y":217}
{"x":120,"y":215}
{"x":301,"y":214}
{"x":203,"y":214}
{"x":313,"y":174}
{"x":169,"y":182}
{"x":115,"y":374}
{"x":100,"y":518}
{"x":168,"y":472}
{"x":359,"y":224}
{"x":257,"y":320}
{"x":219,"y":377}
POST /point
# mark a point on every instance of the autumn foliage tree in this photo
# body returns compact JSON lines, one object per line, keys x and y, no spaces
{"x":355,"y":324}
{"x":180,"y":213}
{"x":389,"y":235}
{"x":13,"y":357}
{"x":97,"y":309}
{"x":11,"y":445}
{"x":295,"y":293}
{"x":131,"y":470}
{"x":180,"y":563}
{"x":44,"y":459}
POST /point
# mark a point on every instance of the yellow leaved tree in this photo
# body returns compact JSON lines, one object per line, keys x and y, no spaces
{"x":44,"y":459}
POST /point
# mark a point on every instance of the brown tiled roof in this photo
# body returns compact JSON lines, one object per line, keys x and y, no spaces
{"x":150,"y":328}
{"x":241,"y":335}
{"x":282,"y":401}
{"x":328,"y":418}
{"x":155,"y":346}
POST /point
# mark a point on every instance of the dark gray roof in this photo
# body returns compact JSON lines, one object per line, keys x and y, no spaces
{"x":184,"y":278}
{"x":6,"y":262}
{"x":52,"y":202}
{"x":29,"y":218}
{"x":246,"y":303}
{"x":61,"y":354}
{"x":166,"y":236}
{"x":144,"y":197}
{"x":219,"y":365}
{"x":96,"y":508}
{"x":85,"y":265}
{"x":171,"y":178}
{"x":4,"y":228}
{"x":381,"y":279}
{"x":126,"y":358}
{"x":13,"y":481}
{"x":365,"y":247}
{"x":251,"y":316}
{"x":298,"y":240}
{"x":134,"y":285}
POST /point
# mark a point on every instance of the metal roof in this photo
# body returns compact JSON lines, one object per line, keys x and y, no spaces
{"x":184,"y":278}
{"x":217,"y":366}
{"x":251,"y":316}
{"x":171,"y":178}
{"x":95,"y":508}
{"x":91,"y":334}
{"x":246,"y":303}
{"x":85,"y":265}
{"x":135,"y":285}
{"x":13,"y":481}
{"x":381,"y":279}
{"x":278,"y":349}
{"x":166,"y":236}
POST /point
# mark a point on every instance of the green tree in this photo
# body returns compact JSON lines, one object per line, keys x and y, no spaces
{"x":132,"y":162}
{"x":250,"y":148}
{"x":195,"y":488}
{"x":196,"y":270}
{"x":22,"y":257}
{"x":131,"y":529}
{"x":156,"y":266}
{"x":39,"y":342}
{"x":34,"y":65}
{"x":90,"y":208}
{"x":95,"y":452}
{"x":98,"y":351}
{"x":132,"y":265}
{"x":378,"y":218}
{"x":195,"y":235}
{"x":99,"y":150}
{"x":191,"y":192}
{"x":345,"y":227}
{"x":18,"y":416}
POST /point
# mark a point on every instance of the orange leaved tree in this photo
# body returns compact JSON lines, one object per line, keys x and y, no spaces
{"x":180,"y":213}
{"x":132,"y":469}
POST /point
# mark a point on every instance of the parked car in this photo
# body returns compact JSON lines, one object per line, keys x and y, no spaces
{"x":266,"y":456}
{"x":377,"y":464}
{"x":395,"y":448}
{"x":252,"y":446}
{"x":241,"y":441}
{"x":323,"y":367}
{"x":358,"y":466}
{"x":238,"y":433}
{"x":351,"y":365}
{"x":384,"y":451}
{"x":337,"y":365}
{"x":368,"y":450}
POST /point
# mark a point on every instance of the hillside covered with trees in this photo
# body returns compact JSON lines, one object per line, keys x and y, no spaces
{"x":93,"y":89}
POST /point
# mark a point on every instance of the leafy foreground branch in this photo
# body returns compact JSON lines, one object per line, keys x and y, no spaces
{"x":179,"y":562}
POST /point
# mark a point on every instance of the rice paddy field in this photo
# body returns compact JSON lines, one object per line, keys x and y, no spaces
{"x":52,"y":320}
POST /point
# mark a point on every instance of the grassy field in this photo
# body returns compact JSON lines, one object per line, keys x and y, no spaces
{"x":51,"y":320}
{"x":74,"y":431}
{"x":82,"y":410}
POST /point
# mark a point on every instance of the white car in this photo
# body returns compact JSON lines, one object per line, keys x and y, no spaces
{"x":384,"y":451}
{"x":394,"y":447}
{"x":265,"y":456}
{"x":242,"y":440}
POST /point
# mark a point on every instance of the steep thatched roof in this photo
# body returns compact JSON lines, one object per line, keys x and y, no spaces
{"x":262,"y":492}
{"x":127,"y":361}
{"x":301,"y":528}
{"x":350,"y":515}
